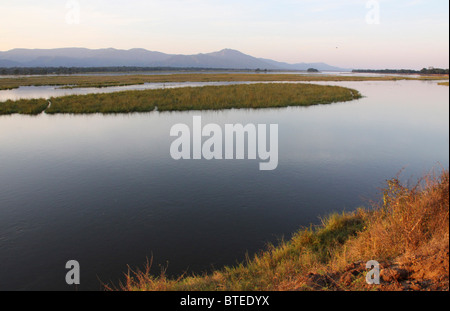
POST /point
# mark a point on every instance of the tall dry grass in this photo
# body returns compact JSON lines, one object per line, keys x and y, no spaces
{"x":408,"y":219}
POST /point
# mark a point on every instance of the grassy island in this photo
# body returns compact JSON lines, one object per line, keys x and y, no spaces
{"x":188,"y":98}
{"x":23,"y":106}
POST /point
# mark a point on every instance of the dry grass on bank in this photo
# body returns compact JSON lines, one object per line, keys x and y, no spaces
{"x":408,"y":233}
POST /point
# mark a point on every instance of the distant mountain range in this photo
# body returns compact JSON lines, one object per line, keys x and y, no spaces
{"x":81,"y":57}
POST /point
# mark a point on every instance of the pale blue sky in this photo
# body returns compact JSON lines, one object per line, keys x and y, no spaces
{"x":411,"y":33}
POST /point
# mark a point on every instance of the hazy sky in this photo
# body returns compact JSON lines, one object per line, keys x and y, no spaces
{"x":345,"y":33}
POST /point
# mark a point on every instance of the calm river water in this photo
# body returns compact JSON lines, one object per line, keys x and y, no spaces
{"x":104,"y":190}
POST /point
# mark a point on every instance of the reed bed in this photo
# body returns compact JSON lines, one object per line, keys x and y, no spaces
{"x":251,"y":96}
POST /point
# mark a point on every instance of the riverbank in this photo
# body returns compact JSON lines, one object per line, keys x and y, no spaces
{"x":407,"y":233}
{"x":123,"y":80}
{"x":189,"y":98}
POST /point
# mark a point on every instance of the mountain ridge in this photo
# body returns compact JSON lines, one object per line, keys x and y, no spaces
{"x":83,"y":57}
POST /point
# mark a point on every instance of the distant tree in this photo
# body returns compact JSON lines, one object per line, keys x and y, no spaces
{"x":312,"y":70}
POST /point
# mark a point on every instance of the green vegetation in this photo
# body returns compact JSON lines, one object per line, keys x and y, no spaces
{"x":197,"y":98}
{"x":407,"y":233}
{"x":104,"y":81}
{"x":23,"y":106}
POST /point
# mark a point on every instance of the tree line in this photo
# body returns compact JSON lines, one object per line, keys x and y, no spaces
{"x":424,"y":71}
{"x":81,"y":70}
